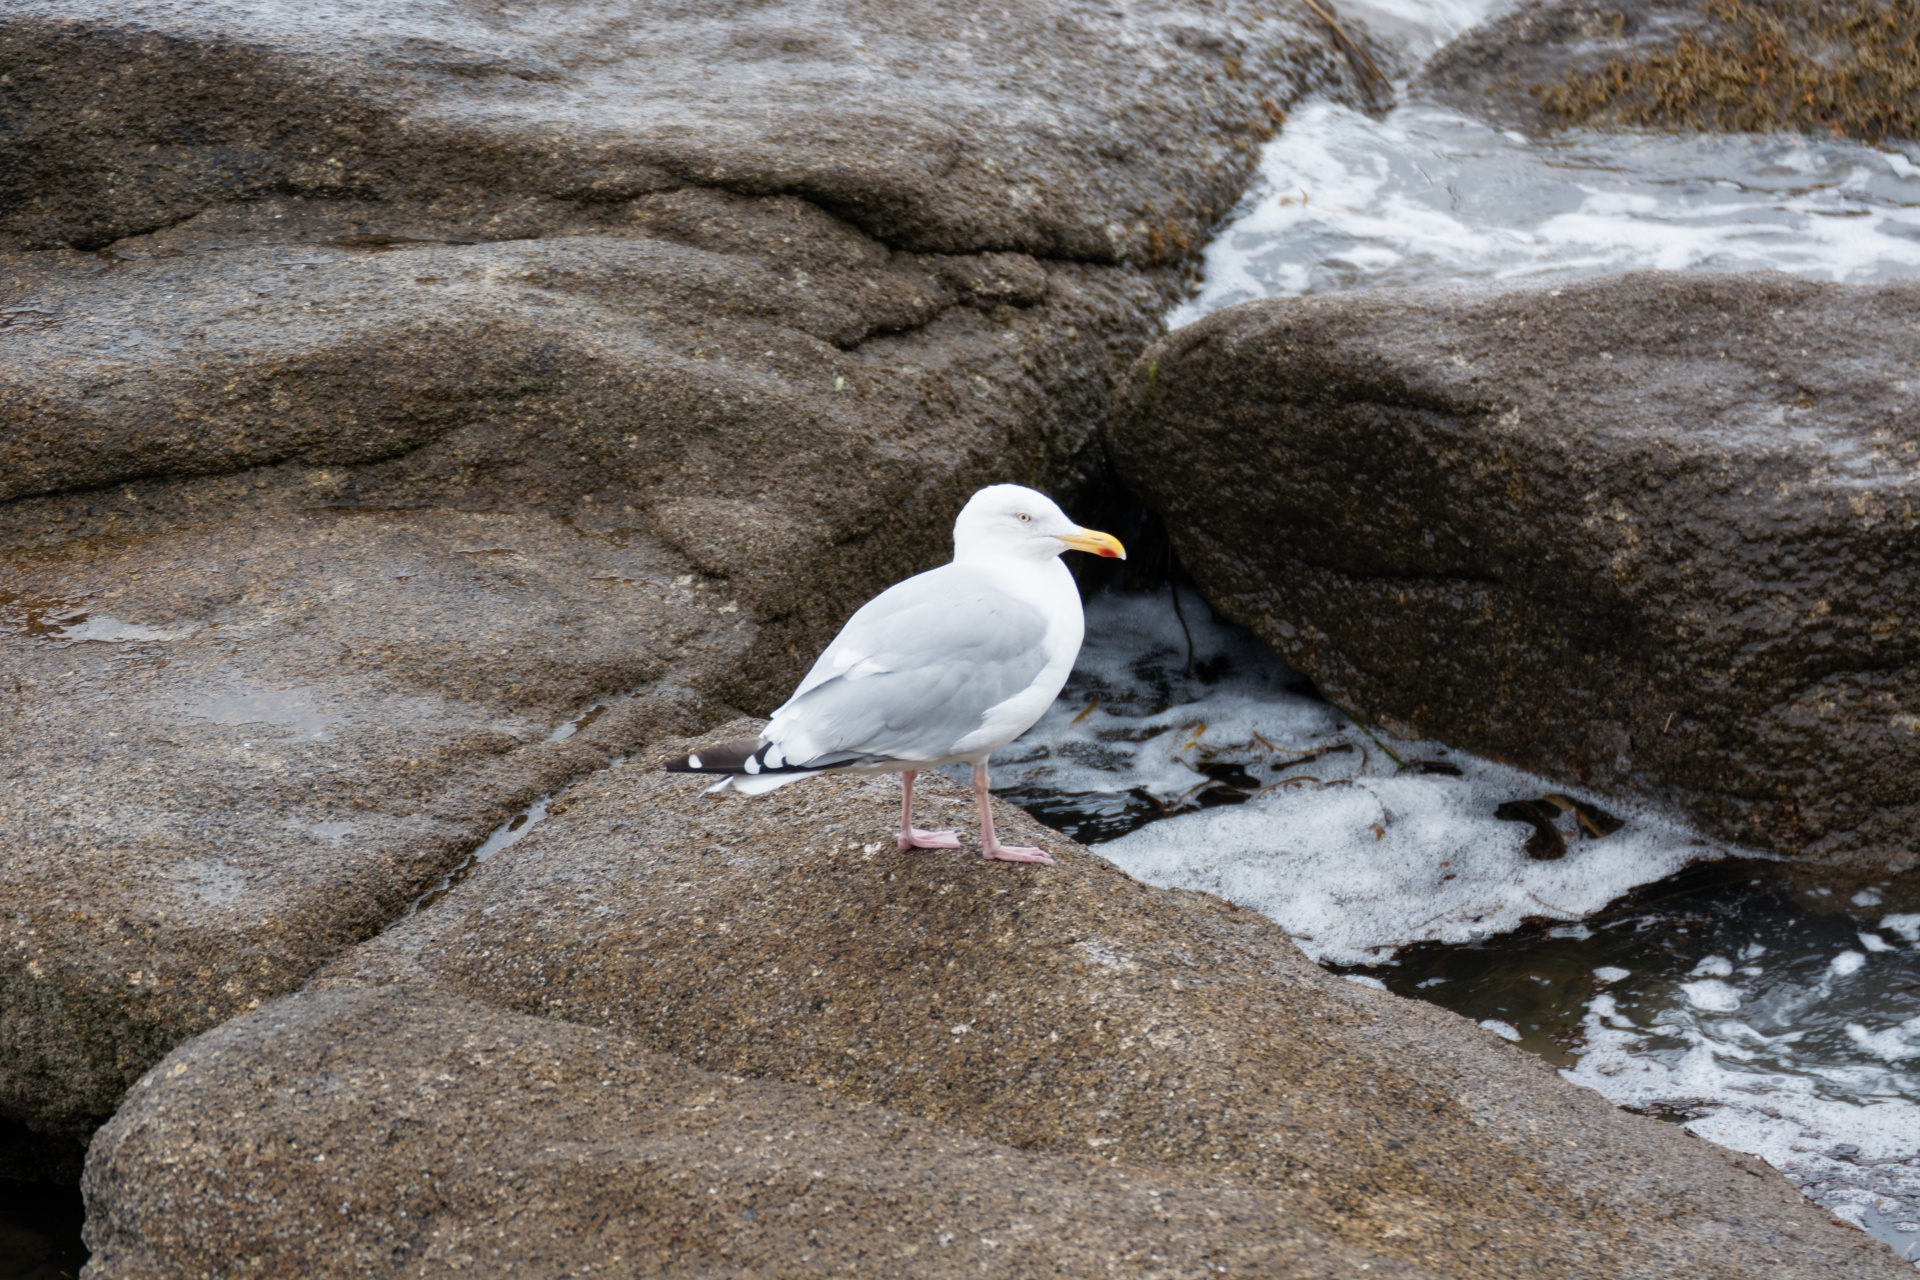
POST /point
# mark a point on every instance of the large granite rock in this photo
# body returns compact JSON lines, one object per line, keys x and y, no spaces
{"x":1810,"y":66}
{"x":454,"y":1139}
{"x":1067,"y":1033}
{"x":386,"y":386}
{"x":1656,"y":533}
{"x":1067,"y":130}
{"x":748,"y":380}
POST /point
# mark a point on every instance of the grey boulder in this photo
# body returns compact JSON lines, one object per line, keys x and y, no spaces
{"x":1653,"y":534}
{"x":390,"y":1133}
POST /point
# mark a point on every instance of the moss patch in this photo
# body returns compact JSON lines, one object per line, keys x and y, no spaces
{"x":1847,"y":69}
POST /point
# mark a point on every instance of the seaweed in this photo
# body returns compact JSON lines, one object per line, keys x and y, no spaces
{"x":1547,"y":843}
{"x":1761,"y":66}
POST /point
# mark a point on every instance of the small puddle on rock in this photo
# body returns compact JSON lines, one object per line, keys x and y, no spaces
{"x":66,"y":620}
{"x":586,"y":718}
{"x":1660,"y":969}
{"x":505,"y":836}
{"x":40,"y":617}
{"x":299,"y":711}
{"x":516,"y":828}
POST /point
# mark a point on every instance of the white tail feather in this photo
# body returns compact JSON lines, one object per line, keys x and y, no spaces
{"x":760,"y":784}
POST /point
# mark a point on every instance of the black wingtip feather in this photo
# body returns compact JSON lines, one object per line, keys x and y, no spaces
{"x":749,"y":756}
{"x":721,"y":757}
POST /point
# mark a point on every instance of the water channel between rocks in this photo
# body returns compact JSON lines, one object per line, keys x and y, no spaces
{"x":1676,"y":977}
{"x":1426,"y":195}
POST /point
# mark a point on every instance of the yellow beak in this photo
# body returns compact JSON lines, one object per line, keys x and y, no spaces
{"x":1100,"y":544}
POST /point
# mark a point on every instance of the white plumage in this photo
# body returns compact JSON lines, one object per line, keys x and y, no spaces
{"x":950,"y":665}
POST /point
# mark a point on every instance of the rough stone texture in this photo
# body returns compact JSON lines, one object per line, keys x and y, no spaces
{"x":251,"y":743}
{"x":1069,"y":130}
{"x":382,"y":386}
{"x":453,"y":1139}
{"x":1655,"y":533}
{"x":750,"y":381}
{"x":1069,"y":1012}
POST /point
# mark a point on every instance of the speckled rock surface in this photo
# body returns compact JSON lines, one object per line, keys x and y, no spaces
{"x":777,"y":398}
{"x":454,"y":1139}
{"x":1074,"y":130}
{"x":251,"y":743}
{"x":1076,"y":1013}
{"x":1655,"y":533}
{"x":383,"y":386}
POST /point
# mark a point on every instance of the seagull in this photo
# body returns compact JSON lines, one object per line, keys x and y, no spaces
{"x":950,"y":665}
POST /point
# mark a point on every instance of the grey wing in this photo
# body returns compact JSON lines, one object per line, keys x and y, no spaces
{"x":919,"y":670}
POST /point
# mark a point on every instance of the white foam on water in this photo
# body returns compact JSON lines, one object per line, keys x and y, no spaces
{"x":1907,"y":926}
{"x":1711,"y":995}
{"x":1352,"y":853}
{"x":1753,"y":1061}
{"x":1427,"y":195}
{"x":1417,"y":28}
{"x":1895,"y":1044}
{"x":1793,"y":1046}
{"x":1356,"y":872}
{"x":1800,"y":1051}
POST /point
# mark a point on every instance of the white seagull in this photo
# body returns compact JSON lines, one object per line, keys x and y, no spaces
{"x":951,"y":664}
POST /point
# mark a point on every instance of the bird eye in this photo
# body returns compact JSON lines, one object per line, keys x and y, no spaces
{"x":1023,"y":518}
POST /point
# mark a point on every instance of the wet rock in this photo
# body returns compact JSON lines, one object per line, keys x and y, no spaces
{"x":750,"y":380}
{"x":1656,"y":533}
{"x":1070,"y":1013}
{"x":1088,"y":132}
{"x":386,"y":386}
{"x":1731,"y":65}
{"x":453,"y":1137}
{"x":239,"y":747}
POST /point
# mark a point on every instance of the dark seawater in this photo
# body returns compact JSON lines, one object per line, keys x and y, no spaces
{"x":40,"y":1231}
{"x":1763,"y":1010}
{"x":1771,"y":1023}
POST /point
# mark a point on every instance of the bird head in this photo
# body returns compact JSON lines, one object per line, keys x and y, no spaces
{"x":1013,"y":520}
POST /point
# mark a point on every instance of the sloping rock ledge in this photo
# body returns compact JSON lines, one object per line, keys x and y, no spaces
{"x":714,"y":1036}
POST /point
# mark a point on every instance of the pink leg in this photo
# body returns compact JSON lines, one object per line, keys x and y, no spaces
{"x":990,"y":846}
{"x":912,"y":837}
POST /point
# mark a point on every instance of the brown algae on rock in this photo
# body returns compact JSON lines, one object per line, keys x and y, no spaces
{"x":1757,"y":66}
